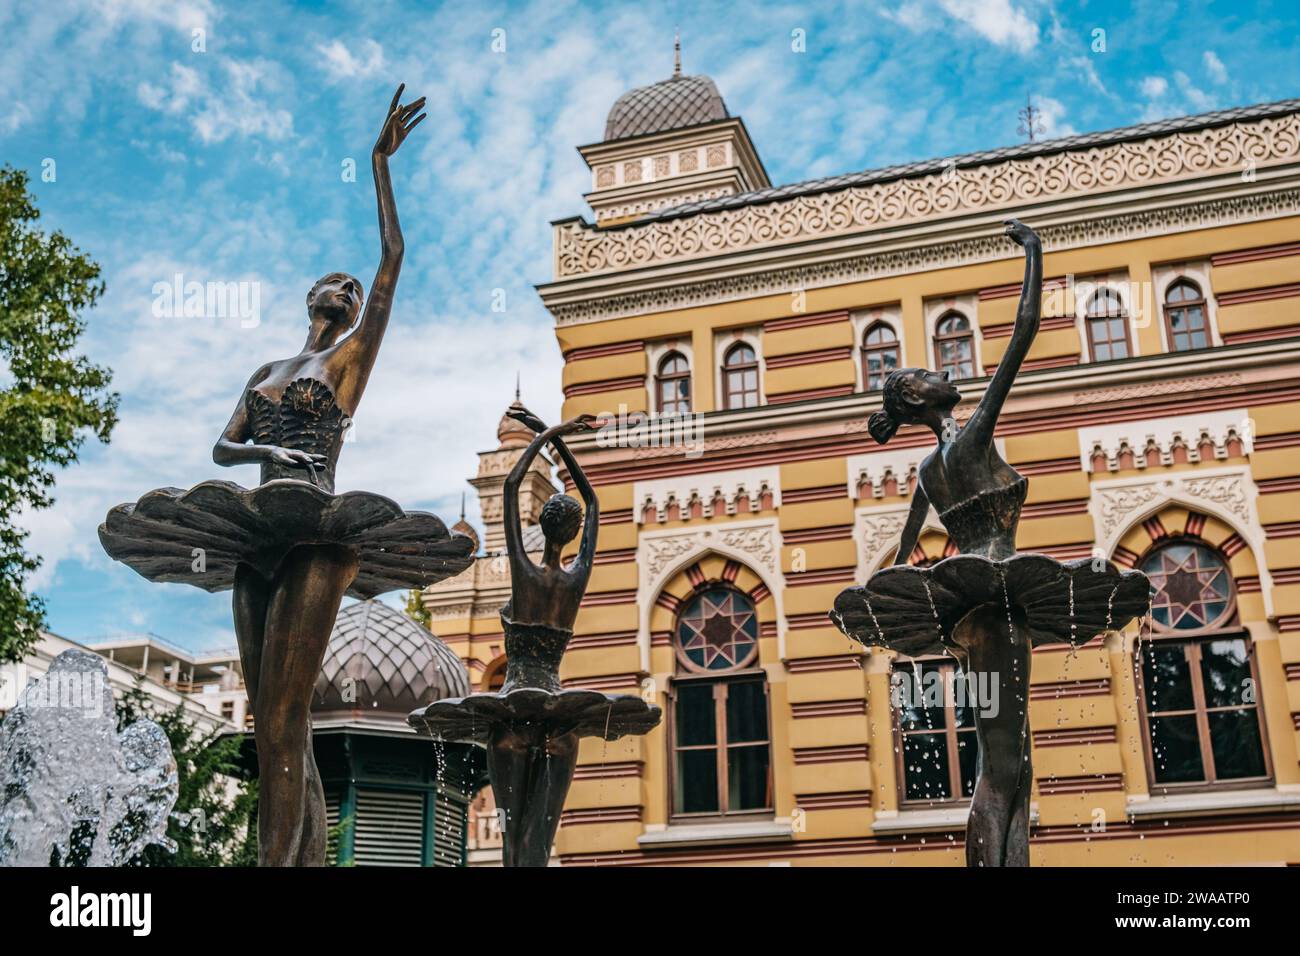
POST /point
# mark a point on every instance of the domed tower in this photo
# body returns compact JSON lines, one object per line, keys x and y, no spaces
{"x":669,"y":144}
{"x":494,"y":466}
{"x":405,"y":802}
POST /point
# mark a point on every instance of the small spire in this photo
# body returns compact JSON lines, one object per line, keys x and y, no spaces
{"x":1030,"y":120}
{"x":677,"y":53}
{"x":516,"y":385}
{"x":462,"y":506}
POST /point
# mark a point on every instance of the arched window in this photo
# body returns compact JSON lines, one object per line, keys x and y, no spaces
{"x":1185,"y":321}
{"x":722,"y":755}
{"x":740,"y":377}
{"x":1200,"y":688}
{"x":673,"y":384}
{"x":879,"y":355}
{"x":1107,"y":326}
{"x":954,"y":346}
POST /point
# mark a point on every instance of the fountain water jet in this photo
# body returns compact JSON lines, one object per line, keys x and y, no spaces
{"x":75,"y":791}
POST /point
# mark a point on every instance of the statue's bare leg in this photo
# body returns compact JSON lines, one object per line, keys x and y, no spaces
{"x":997,"y":654}
{"x":309,"y":587}
{"x":530,"y":779}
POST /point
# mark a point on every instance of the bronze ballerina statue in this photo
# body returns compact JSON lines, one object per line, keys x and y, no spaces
{"x":291,"y":548}
{"x":531,"y":727}
{"x":987,"y":606}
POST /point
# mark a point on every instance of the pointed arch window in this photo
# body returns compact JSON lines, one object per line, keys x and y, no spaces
{"x":954,"y":346}
{"x":740,"y":376}
{"x":1107,"y":326}
{"x":673,"y":384}
{"x":719,"y":714}
{"x":1198,"y":677}
{"x":879,"y":355}
{"x":1185,"y":321}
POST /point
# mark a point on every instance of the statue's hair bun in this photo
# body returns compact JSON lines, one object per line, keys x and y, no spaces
{"x":882,"y":426}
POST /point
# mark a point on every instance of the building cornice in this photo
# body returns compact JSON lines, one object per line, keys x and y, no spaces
{"x":1236,"y":172}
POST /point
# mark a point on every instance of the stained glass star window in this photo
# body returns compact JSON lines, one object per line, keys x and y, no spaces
{"x":718,"y":629}
{"x":1192,"y":584}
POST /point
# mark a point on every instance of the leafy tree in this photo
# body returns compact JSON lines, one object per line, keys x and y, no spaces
{"x":214,"y":820}
{"x":416,"y":610}
{"x":50,"y":397}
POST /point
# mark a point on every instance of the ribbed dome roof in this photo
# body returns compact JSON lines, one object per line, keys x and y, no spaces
{"x":674,"y":103}
{"x":513,"y":434}
{"x":394,"y":664}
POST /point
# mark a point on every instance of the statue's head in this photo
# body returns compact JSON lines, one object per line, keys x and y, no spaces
{"x":912,"y":396}
{"x":561,"y":520}
{"x":336,"y":300}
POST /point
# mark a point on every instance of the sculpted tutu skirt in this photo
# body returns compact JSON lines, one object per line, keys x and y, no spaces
{"x":914,"y":610}
{"x":533,"y":700}
{"x":201,"y":535}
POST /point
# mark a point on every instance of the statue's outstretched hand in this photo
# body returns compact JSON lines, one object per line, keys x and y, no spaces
{"x":526,"y":418}
{"x":398,"y":123}
{"x":583,"y":423}
{"x":1020,"y":233}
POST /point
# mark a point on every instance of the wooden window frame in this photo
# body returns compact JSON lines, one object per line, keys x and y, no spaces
{"x":661,"y":379}
{"x":894,"y":344}
{"x":719,"y":681}
{"x":1191,"y":639}
{"x":1122,"y":315}
{"x":728,"y":369}
{"x":950,"y":731}
{"x":1186,"y":304}
{"x":968,"y":335}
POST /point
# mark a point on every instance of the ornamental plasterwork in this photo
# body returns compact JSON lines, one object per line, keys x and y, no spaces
{"x":660,"y":554}
{"x":924,"y":256}
{"x":1124,"y":393}
{"x":749,"y":484}
{"x":1227,"y":493}
{"x":1196,"y":153}
{"x":877,"y":530}
{"x":1162,"y":434}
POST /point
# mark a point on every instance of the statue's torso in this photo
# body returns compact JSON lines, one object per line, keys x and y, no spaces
{"x":304,"y":416}
{"x":978,"y":497}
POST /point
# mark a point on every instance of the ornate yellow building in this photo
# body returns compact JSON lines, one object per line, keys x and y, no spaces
{"x":1158,"y":419}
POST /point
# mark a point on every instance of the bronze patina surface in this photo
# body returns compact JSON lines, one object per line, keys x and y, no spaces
{"x":291,"y":548}
{"x":988,"y":606}
{"x":532,"y":725}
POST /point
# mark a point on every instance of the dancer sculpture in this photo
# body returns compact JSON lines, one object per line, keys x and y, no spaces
{"x":291,"y":548}
{"x":987,"y":606}
{"x":531,"y":727}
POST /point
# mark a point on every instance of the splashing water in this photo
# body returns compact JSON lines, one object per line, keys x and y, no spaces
{"x":75,"y":791}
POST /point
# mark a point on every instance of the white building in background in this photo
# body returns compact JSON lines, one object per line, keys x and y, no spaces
{"x":210,"y":685}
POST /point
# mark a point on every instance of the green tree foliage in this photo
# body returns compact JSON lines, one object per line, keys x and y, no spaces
{"x":50,"y":397}
{"x":214,"y":820}
{"x":416,"y":610}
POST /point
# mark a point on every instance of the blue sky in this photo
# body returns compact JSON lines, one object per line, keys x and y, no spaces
{"x":225,"y":165}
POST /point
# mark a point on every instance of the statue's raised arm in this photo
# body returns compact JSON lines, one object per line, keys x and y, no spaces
{"x":981,"y":424}
{"x":358,"y":351}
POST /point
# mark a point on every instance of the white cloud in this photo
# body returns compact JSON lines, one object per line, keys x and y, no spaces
{"x":1052,"y":116}
{"x":1154,"y":87}
{"x":1214,"y":66}
{"x":343,"y":65}
{"x":995,"y":20}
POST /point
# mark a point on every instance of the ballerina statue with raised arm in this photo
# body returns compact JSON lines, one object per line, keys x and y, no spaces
{"x":987,"y":606}
{"x":531,"y":727}
{"x":291,"y":548}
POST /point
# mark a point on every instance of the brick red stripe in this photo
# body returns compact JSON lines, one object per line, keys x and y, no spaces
{"x":759,"y":593}
{"x":597,"y":351}
{"x":604,"y":385}
{"x":787,"y":398}
{"x":1195,"y":524}
{"x":833,"y":801}
{"x":845,"y":754}
{"x":730,"y":571}
{"x":1075,"y":738}
{"x":1254,"y":255}
{"x":614,"y":557}
{"x":829,"y":708}
{"x":815,"y":357}
{"x":816,"y":665}
{"x":822,"y":576}
{"x":1232,"y":545}
{"x":834,"y":532}
{"x":820,"y":493}
{"x":1070,"y":688}
{"x":802,"y":321}
{"x":1263,"y":294}
{"x":1093,"y":783}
